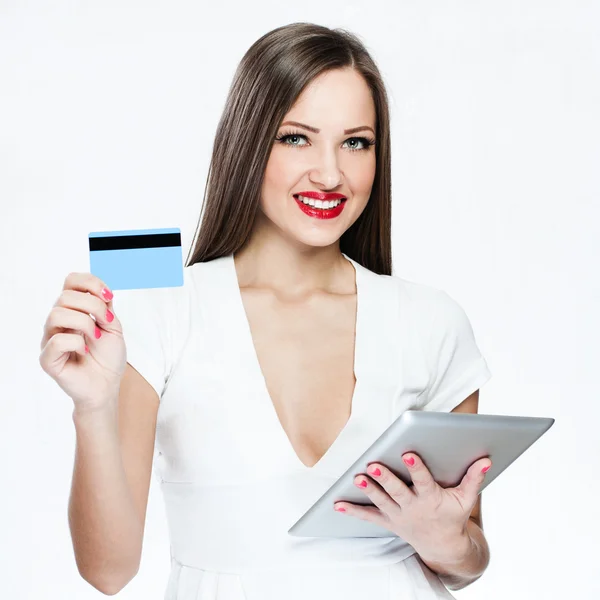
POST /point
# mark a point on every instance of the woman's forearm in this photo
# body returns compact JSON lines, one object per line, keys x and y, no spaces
{"x":105,"y":528}
{"x":467,"y":567}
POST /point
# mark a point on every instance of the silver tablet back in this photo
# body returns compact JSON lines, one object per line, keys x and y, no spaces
{"x":448,"y":443}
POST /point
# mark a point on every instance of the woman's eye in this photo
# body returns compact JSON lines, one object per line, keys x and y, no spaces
{"x":291,"y":136}
{"x":356,"y":141}
{"x":360,"y":141}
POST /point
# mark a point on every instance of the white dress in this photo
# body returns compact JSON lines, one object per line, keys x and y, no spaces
{"x":231,"y":481}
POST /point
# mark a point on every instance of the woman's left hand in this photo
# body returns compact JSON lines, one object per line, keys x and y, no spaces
{"x":432,"y":519}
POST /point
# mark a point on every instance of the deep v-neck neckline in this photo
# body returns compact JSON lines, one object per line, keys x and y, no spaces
{"x":250,"y":350}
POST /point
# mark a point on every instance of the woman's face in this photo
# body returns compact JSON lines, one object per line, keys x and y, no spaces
{"x":324,"y":159}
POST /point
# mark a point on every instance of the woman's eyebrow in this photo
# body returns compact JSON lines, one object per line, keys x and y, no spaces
{"x":315,"y":130}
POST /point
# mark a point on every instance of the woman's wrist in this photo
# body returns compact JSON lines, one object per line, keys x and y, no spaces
{"x":451,"y":552}
{"x":461,"y":562}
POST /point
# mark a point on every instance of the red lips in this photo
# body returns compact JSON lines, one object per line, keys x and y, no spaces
{"x":321,"y":213}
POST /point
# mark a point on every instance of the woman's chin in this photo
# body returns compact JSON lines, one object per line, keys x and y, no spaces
{"x":316,"y":239}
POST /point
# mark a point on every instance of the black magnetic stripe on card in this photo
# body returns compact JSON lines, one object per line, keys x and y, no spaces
{"x":129,"y":242}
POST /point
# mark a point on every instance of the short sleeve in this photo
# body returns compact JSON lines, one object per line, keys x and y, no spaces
{"x":457,"y":367}
{"x":150,"y":319}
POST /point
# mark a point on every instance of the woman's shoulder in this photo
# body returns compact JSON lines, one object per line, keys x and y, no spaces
{"x":419,"y":292}
{"x":422,"y":308}
{"x":411,"y":294}
{"x":428,"y":304}
{"x":169,"y":309}
{"x":205,"y":282}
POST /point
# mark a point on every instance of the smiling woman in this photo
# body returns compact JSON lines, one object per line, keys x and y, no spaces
{"x":291,"y":347}
{"x":300,"y":97}
{"x":327,"y":155}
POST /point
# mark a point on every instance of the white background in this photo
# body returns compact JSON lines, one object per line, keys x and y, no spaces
{"x":107,"y":117}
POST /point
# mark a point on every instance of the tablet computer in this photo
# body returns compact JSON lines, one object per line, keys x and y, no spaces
{"x":448,"y":443}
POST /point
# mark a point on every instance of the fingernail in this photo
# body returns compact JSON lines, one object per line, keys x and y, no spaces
{"x":87,"y":349}
{"x":97,"y":332}
{"x":109,"y":316}
{"x":362,"y":484}
{"x":486,"y":469}
{"x":108,"y":295}
{"x":340,"y":508}
{"x":410,"y":461}
{"x":375,"y":471}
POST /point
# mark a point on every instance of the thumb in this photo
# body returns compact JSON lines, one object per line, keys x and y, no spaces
{"x":471,"y":483}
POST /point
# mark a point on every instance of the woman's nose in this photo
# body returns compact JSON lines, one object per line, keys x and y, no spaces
{"x":326,"y":173}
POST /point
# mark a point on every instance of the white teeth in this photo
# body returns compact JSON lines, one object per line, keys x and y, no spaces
{"x":322,"y":204}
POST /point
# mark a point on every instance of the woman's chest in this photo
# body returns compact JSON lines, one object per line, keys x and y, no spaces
{"x":305,"y":354}
{"x":238,"y":401}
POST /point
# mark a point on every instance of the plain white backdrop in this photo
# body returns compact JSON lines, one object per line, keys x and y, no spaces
{"x":107,"y":117}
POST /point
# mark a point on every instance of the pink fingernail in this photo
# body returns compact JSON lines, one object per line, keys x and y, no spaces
{"x":362,"y":484}
{"x":97,"y":332}
{"x":109,"y":316}
{"x":340,"y":509}
{"x":486,"y":469}
{"x":108,"y":295}
{"x":410,"y":461}
{"x":375,"y":472}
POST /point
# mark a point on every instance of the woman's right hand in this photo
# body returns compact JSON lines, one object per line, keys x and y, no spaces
{"x":92,"y":379}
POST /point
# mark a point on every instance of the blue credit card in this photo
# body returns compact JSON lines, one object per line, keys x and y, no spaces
{"x":137,"y":258}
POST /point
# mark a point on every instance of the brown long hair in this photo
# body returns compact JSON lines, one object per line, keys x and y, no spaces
{"x":267,"y":82}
